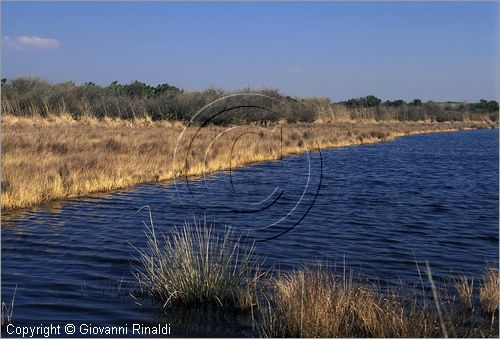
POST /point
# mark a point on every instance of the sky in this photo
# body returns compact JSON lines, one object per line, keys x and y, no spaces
{"x":433,"y":51}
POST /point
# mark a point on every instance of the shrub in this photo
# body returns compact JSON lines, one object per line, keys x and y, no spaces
{"x":33,"y":96}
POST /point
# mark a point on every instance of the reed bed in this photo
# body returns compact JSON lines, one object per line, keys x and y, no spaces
{"x":312,"y":302}
{"x":58,"y":157}
{"x":192,"y":268}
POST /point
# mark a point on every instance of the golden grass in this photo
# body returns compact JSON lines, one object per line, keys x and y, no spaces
{"x":488,"y":292}
{"x":311,"y":302}
{"x":54,"y":158}
{"x":465,"y":290}
{"x":193,"y":269}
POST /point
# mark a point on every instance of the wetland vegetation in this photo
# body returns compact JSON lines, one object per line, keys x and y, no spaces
{"x":64,"y":140}
{"x":193,"y":268}
{"x":67,"y":140}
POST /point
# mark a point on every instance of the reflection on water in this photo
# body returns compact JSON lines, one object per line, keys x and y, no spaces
{"x":381,"y":208}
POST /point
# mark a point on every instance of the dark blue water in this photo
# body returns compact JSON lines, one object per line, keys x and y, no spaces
{"x":376,"y":209}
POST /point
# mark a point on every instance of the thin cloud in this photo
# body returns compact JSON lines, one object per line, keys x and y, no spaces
{"x":30,"y":42}
{"x":296,"y":70}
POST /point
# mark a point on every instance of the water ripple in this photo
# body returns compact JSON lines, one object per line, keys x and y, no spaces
{"x":381,"y":207}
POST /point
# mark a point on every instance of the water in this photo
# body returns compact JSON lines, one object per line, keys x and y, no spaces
{"x":380,"y":209}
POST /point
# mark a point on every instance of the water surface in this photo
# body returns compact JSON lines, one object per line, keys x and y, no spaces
{"x":379,"y":210}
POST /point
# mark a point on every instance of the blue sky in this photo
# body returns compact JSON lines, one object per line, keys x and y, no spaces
{"x":433,"y":51}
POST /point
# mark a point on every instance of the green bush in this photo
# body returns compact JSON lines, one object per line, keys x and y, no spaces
{"x":33,"y":96}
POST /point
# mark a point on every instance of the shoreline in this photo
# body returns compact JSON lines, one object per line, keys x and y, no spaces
{"x":113,"y":155}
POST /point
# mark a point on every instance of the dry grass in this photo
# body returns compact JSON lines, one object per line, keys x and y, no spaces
{"x":488,"y":291}
{"x":312,"y":302}
{"x":194,"y":266}
{"x":465,"y":291}
{"x":54,"y":158}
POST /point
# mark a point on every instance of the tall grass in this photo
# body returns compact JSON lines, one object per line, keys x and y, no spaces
{"x":465,"y":291}
{"x":59,"y":157}
{"x":312,"y":302}
{"x":192,"y":266}
{"x":488,"y":292}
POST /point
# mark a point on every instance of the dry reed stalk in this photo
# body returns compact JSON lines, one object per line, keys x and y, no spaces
{"x":53,"y":158}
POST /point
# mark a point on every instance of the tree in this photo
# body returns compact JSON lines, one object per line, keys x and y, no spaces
{"x":484,"y":106}
{"x":416,"y":102}
{"x":492,"y":106}
{"x":371,"y":101}
{"x":353,"y":103}
{"x":137,"y":89}
{"x":90,"y":84}
{"x":395,"y":103}
{"x":116,"y":88}
{"x":162,"y":88}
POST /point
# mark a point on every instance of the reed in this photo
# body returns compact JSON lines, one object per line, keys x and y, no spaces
{"x":465,"y":290}
{"x":193,"y":267}
{"x":312,"y":302}
{"x":58,"y":157}
{"x":488,"y":291}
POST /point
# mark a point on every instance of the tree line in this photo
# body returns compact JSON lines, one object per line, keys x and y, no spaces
{"x":35,"y":97}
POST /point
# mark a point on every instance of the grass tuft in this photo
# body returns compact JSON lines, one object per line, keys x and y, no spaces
{"x":465,"y":291}
{"x":488,"y":291}
{"x":194,"y":266}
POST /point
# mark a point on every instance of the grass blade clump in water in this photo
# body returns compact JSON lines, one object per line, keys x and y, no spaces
{"x":312,"y":302}
{"x":465,"y":291}
{"x":193,"y":266}
{"x":7,"y":311}
{"x":488,"y":291}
